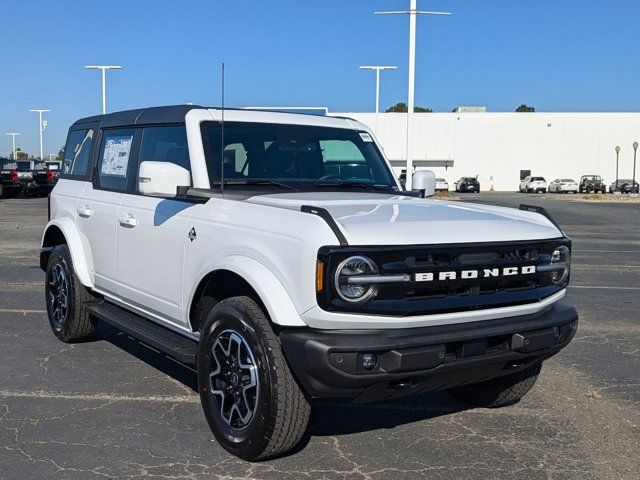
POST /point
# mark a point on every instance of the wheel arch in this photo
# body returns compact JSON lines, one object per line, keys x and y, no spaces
{"x":63,"y":231}
{"x":235,"y":276}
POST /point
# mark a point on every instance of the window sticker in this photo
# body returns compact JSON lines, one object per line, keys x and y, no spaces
{"x":116,"y":156}
{"x":366,"y":137}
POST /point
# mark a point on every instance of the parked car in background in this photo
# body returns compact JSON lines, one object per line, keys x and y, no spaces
{"x":442,"y":185}
{"x":625,"y":185}
{"x":10,"y":185}
{"x":592,"y":184}
{"x":533,"y":185}
{"x":467,"y":184}
{"x":44,"y":179}
{"x":563,"y":185}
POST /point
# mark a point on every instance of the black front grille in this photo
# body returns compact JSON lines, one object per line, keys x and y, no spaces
{"x":448,"y":295}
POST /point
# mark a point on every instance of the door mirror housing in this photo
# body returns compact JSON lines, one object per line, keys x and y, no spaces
{"x":424,"y":181}
{"x":162,"y":179}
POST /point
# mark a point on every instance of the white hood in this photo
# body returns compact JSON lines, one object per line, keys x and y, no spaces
{"x":379,"y":219}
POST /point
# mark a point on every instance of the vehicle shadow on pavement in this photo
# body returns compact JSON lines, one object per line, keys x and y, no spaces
{"x":178,"y":371}
{"x":340,"y":417}
{"x":328,"y":417}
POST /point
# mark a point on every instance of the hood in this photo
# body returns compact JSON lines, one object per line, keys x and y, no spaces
{"x":379,"y":219}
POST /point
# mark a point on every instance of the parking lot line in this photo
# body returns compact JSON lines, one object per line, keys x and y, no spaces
{"x":22,"y":311}
{"x":100,"y":397}
{"x":600,"y":287}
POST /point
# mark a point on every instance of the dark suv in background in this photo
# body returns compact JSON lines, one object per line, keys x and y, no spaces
{"x":592,"y":184}
{"x":467,"y":184}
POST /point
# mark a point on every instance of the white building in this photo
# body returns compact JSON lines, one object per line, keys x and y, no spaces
{"x":499,"y":146}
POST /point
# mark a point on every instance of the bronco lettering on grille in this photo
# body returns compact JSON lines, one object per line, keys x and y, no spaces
{"x":471,"y":274}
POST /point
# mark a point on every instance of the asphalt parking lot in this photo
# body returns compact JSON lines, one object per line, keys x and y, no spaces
{"x":113,"y":408}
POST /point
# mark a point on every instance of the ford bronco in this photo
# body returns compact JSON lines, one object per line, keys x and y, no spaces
{"x":279,"y":254}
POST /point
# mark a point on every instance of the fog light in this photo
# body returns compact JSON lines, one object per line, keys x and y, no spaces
{"x":369,"y":361}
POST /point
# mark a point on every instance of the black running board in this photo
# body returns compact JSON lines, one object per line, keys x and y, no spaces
{"x":177,"y":346}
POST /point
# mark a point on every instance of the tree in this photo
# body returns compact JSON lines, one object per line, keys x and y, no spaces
{"x":401,"y":107}
{"x":60,"y":155}
{"x":525,"y":108}
{"x":20,"y":155}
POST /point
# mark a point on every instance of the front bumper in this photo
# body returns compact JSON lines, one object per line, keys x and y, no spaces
{"x":409,"y":361}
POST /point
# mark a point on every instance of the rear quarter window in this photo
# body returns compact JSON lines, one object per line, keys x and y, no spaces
{"x":77,"y":153}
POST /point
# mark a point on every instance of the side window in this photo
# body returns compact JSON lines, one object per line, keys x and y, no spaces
{"x":113,"y":161}
{"x":77,"y":152}
{"x":165,"y":144}
{"x":344,"y":159}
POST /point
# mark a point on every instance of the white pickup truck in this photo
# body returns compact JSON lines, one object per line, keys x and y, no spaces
{"x":279,"y":254}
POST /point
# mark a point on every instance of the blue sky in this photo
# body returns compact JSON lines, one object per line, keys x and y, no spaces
{"x":566,"y":55}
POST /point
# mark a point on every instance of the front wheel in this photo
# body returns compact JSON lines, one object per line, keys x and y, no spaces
{"x":501,"y":391}
{"x":252,"y":403}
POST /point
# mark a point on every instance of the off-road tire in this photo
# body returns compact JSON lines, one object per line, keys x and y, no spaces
{"x":501,"y":391}
{"x":77,"y":326}
{"x":281,"y":414}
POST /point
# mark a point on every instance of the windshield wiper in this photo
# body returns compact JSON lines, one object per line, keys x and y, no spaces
{"x":350,"y":184}
{"x":258,"y":182}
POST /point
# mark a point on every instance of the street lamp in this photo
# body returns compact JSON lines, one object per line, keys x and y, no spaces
{"x":42,"y":124}
{"x":413,"y":12}
{"x":635,"y":154}
{"x":377,"y":68}
{"x":104,"y":69}
{"x":617,"y":189}
{"x":13,"y":135}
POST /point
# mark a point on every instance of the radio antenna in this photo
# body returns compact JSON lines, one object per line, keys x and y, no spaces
{"x":222,"y":137}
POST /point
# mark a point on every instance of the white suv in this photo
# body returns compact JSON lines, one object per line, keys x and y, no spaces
{"x":533,"y":185}
{"x":278,"y":253}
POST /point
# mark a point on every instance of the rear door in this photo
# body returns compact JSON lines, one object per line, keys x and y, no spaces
{"x":152,"y":233}
{"x":98,"y":206}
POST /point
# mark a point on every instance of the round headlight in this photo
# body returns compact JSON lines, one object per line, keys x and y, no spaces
{"x":346,"y":279}
{"x":561,"y":255}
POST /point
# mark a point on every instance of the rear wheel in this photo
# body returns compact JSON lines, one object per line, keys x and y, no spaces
{"x":65,"y":298}
{"x":501,"y":391}
{"x":252,"y":403}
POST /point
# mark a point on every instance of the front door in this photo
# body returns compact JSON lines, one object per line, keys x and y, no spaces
{"x":152,"y":233}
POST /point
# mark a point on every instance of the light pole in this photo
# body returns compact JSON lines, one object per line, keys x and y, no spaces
{"x":617,"y":189}
{"x":413,"y":12}
{"x":377,"y":68}
{"x":104,"y":69}
{"x":635,"y":154}
{"x":13,"y":135}
{"x":42,"y":124}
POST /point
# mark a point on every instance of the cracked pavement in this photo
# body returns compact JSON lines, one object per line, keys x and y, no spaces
{"x":113,"y":408}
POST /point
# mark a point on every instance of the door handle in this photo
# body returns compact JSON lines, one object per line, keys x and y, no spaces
{"x":85,"y":212}
{"x":128,"y":220}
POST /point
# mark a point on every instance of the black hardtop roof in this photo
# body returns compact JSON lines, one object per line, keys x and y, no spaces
{"x":157,"y":115}
{"x":141,"y":116}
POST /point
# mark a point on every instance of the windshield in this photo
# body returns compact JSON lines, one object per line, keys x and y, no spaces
{"x":567,"y":180}
{"x":537,"y":179}
{"x":592,"y":178}
{"x":294,"y":157}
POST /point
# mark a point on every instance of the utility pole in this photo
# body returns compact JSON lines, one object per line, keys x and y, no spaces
{"x":635,"y":155}
{"x":104,"y":69}
{"x":13,"y":135}
{"x":377,"y":68}
{"x":42,"y":124}
{"x":413,"y":12}
{"x":617,"y":149}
